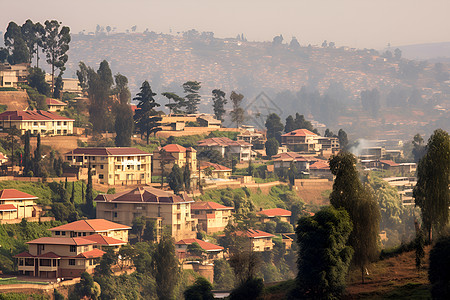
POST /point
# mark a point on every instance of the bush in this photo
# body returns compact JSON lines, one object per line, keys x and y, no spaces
{"x":438,"y":273}
{"x":251,"y":289}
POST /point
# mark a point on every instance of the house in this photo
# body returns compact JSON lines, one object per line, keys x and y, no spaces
{"x":259,"y":241}
{"x":3,"y":158}
{"x":270,"y":214}
{"x":169,"y":210}
{"x":174,"y":154}
{"x":52,"y":257}
{"x":86,"y":228}
{"x":71,"y":85}
{"x":301,"y":140}
{"x":320,"y":168}
{"x":104,"y":243}
{"x":210,"y":251}
{"x":212,"y":217}
{"x":55,"y":105}
{"x":16,"y":205}
{"x":12,"y":75}
{"x":373,"y":153}
{"x":252,"y":136}
{"x":227,"y":147}
{"x":209,"y":121}
{"x":284,"y":161}
{"x":37,"y":121}
{"x":329,"y":145}
{"x":113,"y":165}
{"x":212,"y":170}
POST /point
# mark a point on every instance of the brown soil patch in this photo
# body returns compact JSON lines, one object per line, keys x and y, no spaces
{"x":315,"y":194}
{"x":15,"y":100}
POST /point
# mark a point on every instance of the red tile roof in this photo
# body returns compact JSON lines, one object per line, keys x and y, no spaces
{"x":7,"y":207}
{"x":255,"y":234}
{"x":104,"y":151}
{"x":275,"y":212}
{"x":24,"y":254}
{"x":92,"y":225}
{"x":13,"y":194}
{"x":174,"y":148}
{"x":49,"y":255}
{"x":104,"y":240}
{"x":320,"y":165}
{"x":216,"y":167}
{"x":204,"y":245}
{"x":51,"y":101}
{"x":299,"y":132}
{"x":91,"y":254}
{"x":144,"y":194}
{"x":288,"y":156}
{"x":199,"y":205}
{"x":389,"y":163}
{"x":61,"y":241}
{"x":222,"y":141}
{"x":30,"y":115}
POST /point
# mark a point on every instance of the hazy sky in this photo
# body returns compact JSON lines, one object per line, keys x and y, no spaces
{"x":356,"y":23}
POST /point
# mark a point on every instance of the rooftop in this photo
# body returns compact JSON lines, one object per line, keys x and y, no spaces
{"x":51,"y":101}
{"x":199,"y":205}
{"x":217,"y":167}
{"x":13,"y":194}
{"x":30,"y":115}
{"x":92,"y":225}
{"x":104,"y":240}
{"x":143,"y":195}
{"x":61,"y":241}
{"x":300,"y":132}
{"x":275,"y":212}
{"x":107,"y":151}
{"x":174,"y":148}
{"x":204,"y":245}
{"x":222,"y":141}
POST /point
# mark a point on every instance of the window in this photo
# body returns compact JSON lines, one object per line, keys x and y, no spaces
{"x":100,"y":176}
{"x":71,"y":262}
{"x":101,"y":167}
{"x":65,"y":123}
{"x":115,"y":205}
{"x":69,"y":157}
{"x":63,"y":233}
{"x":139,"y":167}
{"x":35,"y":123}
{"x":115,"y":215}
{"x":73,"y":248}
{"x":42,"y":123}
{"x":142,"y":176}
{"x":58,"y":131}
{"x":64,"y":131}
{"x":20,"y":261}
{"x":57,"y":232}
{"x":58,"y":123}
{"x":94,"y":166}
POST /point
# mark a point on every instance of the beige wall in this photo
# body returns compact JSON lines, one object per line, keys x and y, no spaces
{"x":262,"y":244}
{"x":181,"y":159}
{"x":61,"y":250}
{"x":24,"y":209}
{"x":63,"y":127}
{"x":117,"y":234}
{"x":212,"y":225}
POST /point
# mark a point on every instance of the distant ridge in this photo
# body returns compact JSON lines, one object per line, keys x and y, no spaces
{"x":429,"y":51}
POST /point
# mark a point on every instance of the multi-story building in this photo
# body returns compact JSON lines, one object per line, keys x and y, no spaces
{"x":36,"y":121}
{"x":169,"y":210}
{"x":258,"y":240}
{"x":55,"y":105}
{"x":85,"y":228}
{"x":210,"y":251}
{"x":212,"y":170}
{"x":16,"y":205}
{"x":270,"y":214}
{"x":227,"y":147}
{"x":52,"y":257}
{"x":252,"y":136}
{"x":301,"y":140}
{"x":212,"y":217}
{"x":114,"y":165}
{"x":174,"y":154}
{"x":12,"y":75}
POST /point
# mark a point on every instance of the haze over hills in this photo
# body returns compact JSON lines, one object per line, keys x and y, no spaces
{"x":323,"y":83}
{"x":430,"y":51}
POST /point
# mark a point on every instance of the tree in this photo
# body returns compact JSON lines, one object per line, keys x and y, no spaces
{"x":200,"y":290}
{"x":187,"y":177}
{"x":26,"y":158}
{"x":438,"y":271}
{"x":251,"y":289}
{"x":37,"y":157}
{"x":419,"y":148}
{"x":419,"y":244}
{"x":191,"y":89}
{"x":165,"y":268}
{"x":237,"y":113}
{"x":30,"y":36}
{"x":89,"y":205}
{"x":301,"y":123}
{"x":176,"y":179}
{"x":219,"y":102}
{"x":349,"y":193}
{"x":16,"y":44}
{"x":145,"y":117}
{"x":58,"y":87}
{"x":271,"y":147}
{"x":223,"y":275}
{"x":433,"y":179}
{"x":138,"y":227}
{"x":290,"y":124}
{"x":328,"y":133}
{"x":323,"y":256}
{"x":36,"y":79}
{"x":343,"y":139}
{"x":72,"y":197}
{"x":178,"y":104}
{"x":150,"y":231}
{"x":292,"y":173}
{"x":370,"y":100}
{"x":55,"y":45}
{"x":274,"y":127}
{"x":124,"y":123}
{"x":87,"y":288}
{"x":397,"y":54}
{"x":4,"y":54}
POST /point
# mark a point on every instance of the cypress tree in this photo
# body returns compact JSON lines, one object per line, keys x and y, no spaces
{"x":38,"y":156}
{"x":26,"y":160}
{"x":72,"y":198}
{"x":89,"y":194}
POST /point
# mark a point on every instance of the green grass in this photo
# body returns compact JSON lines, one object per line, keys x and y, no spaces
{"x":19,"y":296}
{"x":409,"y":291}
{"x":14,"y":280}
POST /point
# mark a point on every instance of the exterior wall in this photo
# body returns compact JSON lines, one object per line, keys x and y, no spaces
{"x":51,"y":127}
{"x":212,"y":224}
{"x":262,"y":244}
{"x":117,"y":234}
{"x":177,"y":216}
{"x":8,"y":215}
{"x":265,"y":219}
{"x":61,"y":250}
{"x":54,"y":108}
{"x":24,"y":209}
{"x":181,"y":158}
{"x":116,"y":170}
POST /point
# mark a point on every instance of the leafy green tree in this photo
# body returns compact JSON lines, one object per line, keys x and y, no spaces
{"x":237,"y":113}
{"x":124,"y":123}
{"x":58,"y":87}
{"x":30,"y":37}
{"x":87,"y":288}
{"x":176,"y":179}
{"x":328,"y":133}
{"x":72,"y":197}
{"x":37,"y":168}
{"x":271,"y":147}
{"x":419,"y":148}
{"x":26,"y":158}
{"x":292,"y":173}
{"x":145,"y":117}
{"x":219,"y":102}
{"x":349,"y":193}
{"x":438,"y":271}
{"x":433,"y":179}
{"x":15,"y":43}
{"x":324,"y":256}
{"x":301,"y":123}
{"x":200,"y":290}
{"x":251,"y":289}
{"x":89,"y":205}
{"x":138,"y":226}
{"x":419,"y":244}
{"x":4,"y":54}
{"x":178,"y":105}
{"x":343,"y":139}
{"x":223,"y":275}
{"x":191,"y":89}
{"x":150,"y":230}
{"x":274,"y":127}
{"x":55,"y":44}
{"x":290,"y":124}
{"x":106,"y":262}
{"x":36,"y":79}
{"x":187,"y":177}
{"x":165,"y":268}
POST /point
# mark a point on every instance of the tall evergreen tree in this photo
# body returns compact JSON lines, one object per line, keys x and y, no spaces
{"x":219,"y":102}
{"x":419,"y":148}
{"x":38,"y":157}
{"x":237,"y":113}
{"x":89,"y":205}
{"x":176,"y":179}
{"x":124,"y":122}
{"x":431,"y":192}
{"x":145,"y":117}
{"x":15,"y":43}
{"x":187,"y":177}
{"x":274,"y":127}
{"x":58,"y":87}
{"x":72,"y":197}
{"x":191,"y":89}
{"x":178,"y":105}
{"x":271,"y":147}
{"x":343,"y":139}
{"x":349,"y":193}
{"x":290,"y":124}
{"x":26,"y":159}
{"x":165,"y":268}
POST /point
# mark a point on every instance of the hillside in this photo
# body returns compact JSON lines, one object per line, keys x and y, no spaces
{"x":323,"y":83}
{"x":14,"y":100}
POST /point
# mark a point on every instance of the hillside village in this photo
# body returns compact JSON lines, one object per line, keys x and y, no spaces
{"x":102,"y":192}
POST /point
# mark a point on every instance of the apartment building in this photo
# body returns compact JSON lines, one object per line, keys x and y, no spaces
{"x":86,"y":228}
{"x":212,"y":217}
{"x":210,"y":251}
{"x":258,"y":241}
{"x":16,"y":205}
{"x":55,"y":105}
{"x":114,"y":165}
{"x":301,"y":140}
{"x":270,"y":214}
{"x":36,"y":121}
{"x":53,"y":257}
{"x":12,"y":75}
{"x":169,"y":210}
{"x":212,"y":170}
{"x":227,"y":147}
{"x":174,"y":154}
